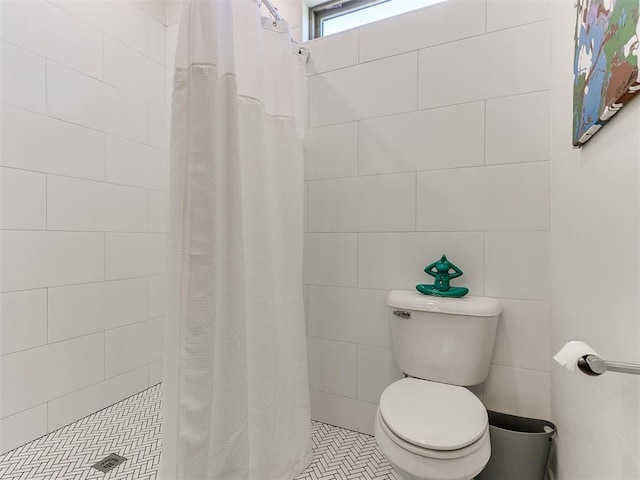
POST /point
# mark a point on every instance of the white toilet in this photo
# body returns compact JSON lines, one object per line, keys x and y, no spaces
{"x":428,"y":425}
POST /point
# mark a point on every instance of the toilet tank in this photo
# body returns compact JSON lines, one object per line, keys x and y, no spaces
{"x":447,"y":340}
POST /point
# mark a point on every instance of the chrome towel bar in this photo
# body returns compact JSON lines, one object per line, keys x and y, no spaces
{"x":594,"y":365}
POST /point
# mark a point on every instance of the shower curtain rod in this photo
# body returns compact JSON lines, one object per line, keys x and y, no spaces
{"x":278,"y":18}
{"x":273,"y":10}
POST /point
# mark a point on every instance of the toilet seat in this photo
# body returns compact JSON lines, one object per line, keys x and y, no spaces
{"x":422,"y":416}
{"x":432,"y":454}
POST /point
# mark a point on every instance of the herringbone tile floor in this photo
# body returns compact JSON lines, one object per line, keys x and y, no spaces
{"x":131,"y":428}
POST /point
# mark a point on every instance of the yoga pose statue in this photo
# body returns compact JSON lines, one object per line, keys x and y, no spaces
{"x":440,"y":270}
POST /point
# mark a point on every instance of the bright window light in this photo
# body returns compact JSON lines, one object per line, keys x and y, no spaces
{"x":373,"y":13}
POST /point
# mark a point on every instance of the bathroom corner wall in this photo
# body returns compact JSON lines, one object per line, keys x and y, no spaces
{"x":83,"y":177}
{"x":595,"y":292}
{"x":429,"y":133}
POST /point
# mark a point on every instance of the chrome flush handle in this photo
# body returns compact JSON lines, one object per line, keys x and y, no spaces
{"x":402,"y":314}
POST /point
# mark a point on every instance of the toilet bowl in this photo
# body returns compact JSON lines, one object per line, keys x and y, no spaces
{"x":428,"y":425}
{"x":429,"y":430}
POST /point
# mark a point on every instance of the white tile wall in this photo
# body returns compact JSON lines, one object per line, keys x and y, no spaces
{"x":52,"y":370}
{"x":157,"y":125}
{"x":347,"y":412}
{"x":124,"y":21}
{"x":134,"y":255}
{"x":23,"y":200}
{"x":523,"y":335}
{"x":447,"y":137}
{"x":83,"y":221}
{"x":505,"y":197}
{"x":97,"y":105}
{"x":405,"y":164}
{"x":157,"y":39}
{"x":69,"y":408}
{"x":510,"y":13}
{"x":330,"y":259}
{"x":44,"y":144}
{"x":373,"y":89}
{"x":23,"y":78}
{"x":172,"y":41}
{"x":33,"y":259}
{"x":174,"y":10}
{"x":157,"y":296}
{"x":155,"y":372}
{"x":333,"y":52}
{"x":349,"y":315}
{"x":79,"y":310}
{"x":158,"y":211}
{"x":518,"y":391}
{"x":135,"y":164}
{"x":365,"y":204}
{"x":23,"y":320}
{"x":157,"y":10}
{"x":517,"y":265}
{"x":376,"y":370}
{"x":331,"y":152}
{"x":527,"y":48}
{"x":85,"y":205}
{"x":50,"y":32}
{"x":528,"y":139}
{"x":133,"y":72}
{"x":441,"y":23}
{"x":130,"y":347}
{"x":332,"y":366}
{"x":23,"y":427}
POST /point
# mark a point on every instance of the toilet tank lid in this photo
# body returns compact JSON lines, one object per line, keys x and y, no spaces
{"x":469,"y":305}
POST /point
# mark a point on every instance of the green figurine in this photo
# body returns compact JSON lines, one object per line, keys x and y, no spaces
{"x":440,"y":270}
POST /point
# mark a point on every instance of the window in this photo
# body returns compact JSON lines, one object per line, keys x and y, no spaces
{"x":337,"y":16}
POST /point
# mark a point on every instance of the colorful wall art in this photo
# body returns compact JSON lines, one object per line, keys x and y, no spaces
{"x":607,"y":45}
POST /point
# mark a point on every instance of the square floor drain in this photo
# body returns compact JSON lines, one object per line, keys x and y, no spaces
{"x":109,"y":463}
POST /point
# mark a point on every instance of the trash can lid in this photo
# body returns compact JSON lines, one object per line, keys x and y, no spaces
{"x":433,"y":415}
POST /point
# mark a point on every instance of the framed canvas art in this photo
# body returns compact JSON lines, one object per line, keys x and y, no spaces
{"x":605,"y":63}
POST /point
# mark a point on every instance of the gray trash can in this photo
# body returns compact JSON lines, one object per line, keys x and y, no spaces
{"x":519,"y":448}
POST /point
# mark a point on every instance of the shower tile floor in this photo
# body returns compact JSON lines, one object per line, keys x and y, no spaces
{"x":131,"y":428}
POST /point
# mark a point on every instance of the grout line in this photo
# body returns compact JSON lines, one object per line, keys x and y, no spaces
{"x":415,"y":216}
{"x":86,"y":127}
{"x":358,"y":128}
{"x":46,"y":201}
{"x":432,"y":170}
{"x":417,"y":80}
{"x":121,"y":232}
{"x":435,"y":45}
{"x":46,"y":295}
{"x":85,"y":283}
{"x":357,"y":258}
{"x":22,"y":411}
{"x":136,"y":187}
{"x":433,"y":107}
{"x":46,"y":87}
{"x":359,"y":45}
{"x":486,"y":17}
{"x":104,"y":256}
{"x":484,"y":260}
{"x":484,"y":137}
{"x":103,"y":57}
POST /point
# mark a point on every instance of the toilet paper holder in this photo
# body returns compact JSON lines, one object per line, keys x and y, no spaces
{"x":594,"y":365}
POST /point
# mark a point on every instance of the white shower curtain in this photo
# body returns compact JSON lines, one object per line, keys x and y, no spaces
{"x":236,"y":401}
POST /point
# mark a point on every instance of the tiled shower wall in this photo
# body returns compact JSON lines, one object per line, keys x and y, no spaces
{"x":429,"y":133}
{"x":83,"y":182}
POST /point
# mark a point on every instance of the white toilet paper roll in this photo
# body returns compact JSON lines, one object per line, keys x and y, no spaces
{"x":572,"y":351}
